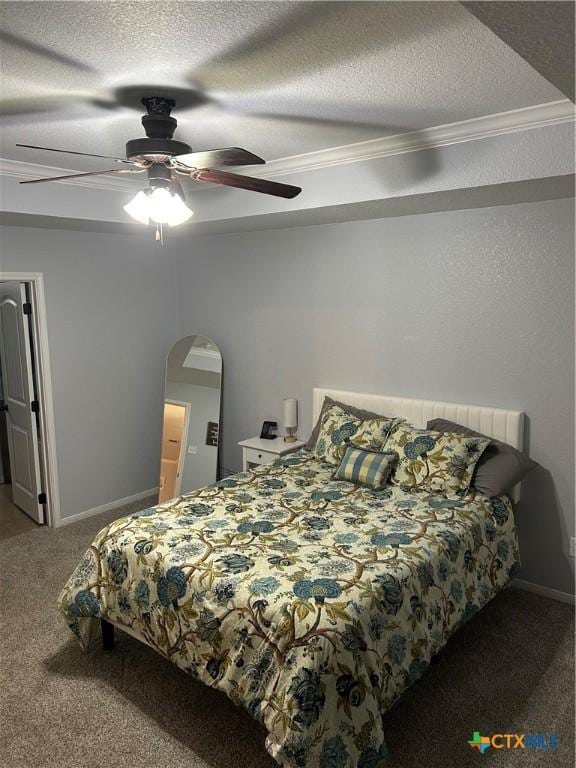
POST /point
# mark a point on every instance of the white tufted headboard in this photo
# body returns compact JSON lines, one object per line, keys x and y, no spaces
{"x":498,"y":423}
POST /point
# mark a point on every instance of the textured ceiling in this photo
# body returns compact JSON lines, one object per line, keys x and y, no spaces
{"x":279,"y":78}
{"x":541,"y":32}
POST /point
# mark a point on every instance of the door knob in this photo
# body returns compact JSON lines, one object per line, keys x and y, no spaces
{"x":3,"y":407}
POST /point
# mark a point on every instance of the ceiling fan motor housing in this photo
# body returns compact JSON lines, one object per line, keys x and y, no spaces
{"x":159,"y":175}
{"x":159,"y":126}
{"x":155,"y":150}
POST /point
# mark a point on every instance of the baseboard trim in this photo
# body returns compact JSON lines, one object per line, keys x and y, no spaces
{"x":538,"y":589}
{"x":107,"y":507}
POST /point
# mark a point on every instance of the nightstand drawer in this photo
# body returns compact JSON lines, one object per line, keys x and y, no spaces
{"x":258,"y":457}
{"x":257,"y":451}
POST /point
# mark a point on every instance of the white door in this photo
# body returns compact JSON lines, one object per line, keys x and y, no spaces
{"x":16,"y":358}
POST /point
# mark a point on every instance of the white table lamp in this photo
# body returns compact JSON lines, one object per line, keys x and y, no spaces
{"x":290,"y":419}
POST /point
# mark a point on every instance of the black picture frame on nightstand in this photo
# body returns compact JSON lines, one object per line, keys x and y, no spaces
{"x":267,"y":428}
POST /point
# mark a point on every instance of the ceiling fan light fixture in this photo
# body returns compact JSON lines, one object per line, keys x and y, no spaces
{"x":160,"y":206}
{"x":167,"y":207}
{"x":139,"y":208}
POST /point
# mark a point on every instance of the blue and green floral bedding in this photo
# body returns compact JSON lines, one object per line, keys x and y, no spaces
{"x":311,"y":602}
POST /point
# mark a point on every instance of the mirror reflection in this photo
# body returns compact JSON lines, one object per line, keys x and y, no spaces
{"x":191,"y":416}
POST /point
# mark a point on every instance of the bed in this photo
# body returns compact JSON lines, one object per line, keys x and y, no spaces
{"x":313,"y":603}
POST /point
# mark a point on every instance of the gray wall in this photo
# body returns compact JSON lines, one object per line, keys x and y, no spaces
{"x":112,"y":318}
{"x":470,"y":306}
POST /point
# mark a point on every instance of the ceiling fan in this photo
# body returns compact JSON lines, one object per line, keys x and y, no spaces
{"x":165,"y":160}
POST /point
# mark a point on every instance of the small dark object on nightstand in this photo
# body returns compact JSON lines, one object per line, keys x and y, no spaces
{"x":267,"y":428}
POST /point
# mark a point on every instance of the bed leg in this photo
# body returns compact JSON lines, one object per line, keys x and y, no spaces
{"x":107,"y":635}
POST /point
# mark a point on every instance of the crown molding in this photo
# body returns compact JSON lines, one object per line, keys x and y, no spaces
{"x":20,"y":169}
{"x":476,"y":129}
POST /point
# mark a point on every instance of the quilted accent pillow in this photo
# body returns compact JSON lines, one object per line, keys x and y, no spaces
{"x":365,"y":467}
{"x":336,"y":429}
{"x":437,"y":462}
{"x":372,"y":434}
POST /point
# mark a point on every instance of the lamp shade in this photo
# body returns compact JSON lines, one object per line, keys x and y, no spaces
{"x":290,"y":413}
{"x":159,"y":206}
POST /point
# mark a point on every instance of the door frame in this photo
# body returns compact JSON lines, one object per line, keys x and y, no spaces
{"x":184,"y":441}
{"x":42,"y":357}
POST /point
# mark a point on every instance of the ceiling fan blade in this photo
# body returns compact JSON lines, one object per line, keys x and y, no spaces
{"x":218,"y":157}
{"x":326,"y":121}
{"x":71,"y":152}
{"x":78,"y":105}
{"x":246,"y":182}
{"x":47,"y":54}
{"x":36,"y":105}
{"x":311,"y":37}
{"x":79,"y":175}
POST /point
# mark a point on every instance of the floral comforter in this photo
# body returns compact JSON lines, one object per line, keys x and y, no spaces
{"x":311,"y":602}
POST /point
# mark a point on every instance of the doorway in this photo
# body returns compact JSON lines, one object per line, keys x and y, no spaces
{"x":28,"y":475}
{"x":174,"y":440}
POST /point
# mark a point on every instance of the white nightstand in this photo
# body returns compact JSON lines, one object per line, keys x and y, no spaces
{"x":256,"y":451}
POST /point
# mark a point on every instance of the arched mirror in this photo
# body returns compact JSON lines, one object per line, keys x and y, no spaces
{"x":191,"y":416}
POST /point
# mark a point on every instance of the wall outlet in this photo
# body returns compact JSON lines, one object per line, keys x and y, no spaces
{"x":192,"y":449}
{"x":572,"y":547}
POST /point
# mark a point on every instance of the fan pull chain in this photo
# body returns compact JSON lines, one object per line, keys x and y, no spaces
{"x":160,"y":234}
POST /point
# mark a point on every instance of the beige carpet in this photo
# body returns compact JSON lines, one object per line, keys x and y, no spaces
{"x":509,"y":670}
{"x":12,"y":520}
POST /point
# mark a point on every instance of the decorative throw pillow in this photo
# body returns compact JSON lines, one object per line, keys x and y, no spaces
{"x":437,"y":462}
{"x":366,"y":467}
{"x":336,"y":429}
{"x":372,"y":434}
{"x":500,"y":467}
{"x":355,"y":413}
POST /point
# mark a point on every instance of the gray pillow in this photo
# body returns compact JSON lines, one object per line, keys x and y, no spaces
{"x":499,"y":468}
{"x":357,"y":413}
